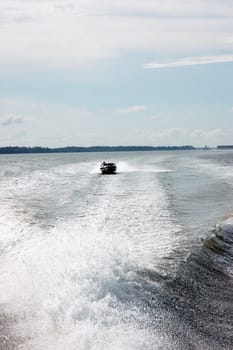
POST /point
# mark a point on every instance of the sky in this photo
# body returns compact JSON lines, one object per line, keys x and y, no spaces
{"x":107,"y":72}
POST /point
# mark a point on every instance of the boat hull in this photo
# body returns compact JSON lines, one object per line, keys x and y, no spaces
{"x":108,"y":168}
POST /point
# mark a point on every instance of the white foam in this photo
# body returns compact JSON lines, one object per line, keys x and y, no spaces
{"x":75,"y":285}
{"x":213,"y":169}
{"x":125,"y":167}
{"x":67,"y":285}
{"x":227,"y":225}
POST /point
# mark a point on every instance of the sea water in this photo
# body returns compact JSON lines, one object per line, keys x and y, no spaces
{"x":137,"y":260}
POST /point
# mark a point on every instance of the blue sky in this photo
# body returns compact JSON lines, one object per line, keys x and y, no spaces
{"x":106,"y":72}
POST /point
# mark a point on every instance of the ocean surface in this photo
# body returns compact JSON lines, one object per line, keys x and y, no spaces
{"x":140,"y":260}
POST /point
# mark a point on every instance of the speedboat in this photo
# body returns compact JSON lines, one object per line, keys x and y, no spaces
{"x":108,"y":168}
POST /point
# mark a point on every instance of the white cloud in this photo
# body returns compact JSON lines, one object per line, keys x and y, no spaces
{"x":190,"y":133}
{"x":131,"y":110}
{"x":206,"y":134}
{"x":191,"y":61}
{"x":11,"y":119}
{"x":33,"y":107}
{"x":44,"y":124}
{"x":155,"y":117}
{"x":168,"y":7}
{"x":71,"y":34}
{"x":183,"y":136}
{"x":171,"y":132}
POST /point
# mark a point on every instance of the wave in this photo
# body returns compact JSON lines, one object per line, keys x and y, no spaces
{"x":92,"y":280}
{"x":201,"y":293}
{"x":219,"y":247}
{"x":95,"y":296}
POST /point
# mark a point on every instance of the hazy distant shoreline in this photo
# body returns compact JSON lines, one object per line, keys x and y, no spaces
{"x":74,"y":149}
{"x":17,"y":149}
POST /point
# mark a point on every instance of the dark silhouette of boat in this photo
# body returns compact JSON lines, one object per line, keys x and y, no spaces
{"x":108,"y":168}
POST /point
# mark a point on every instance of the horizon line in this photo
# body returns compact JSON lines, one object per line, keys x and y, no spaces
{"x":80,"y":149}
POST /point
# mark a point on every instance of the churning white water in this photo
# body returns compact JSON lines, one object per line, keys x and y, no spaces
{"x":78,"y":249}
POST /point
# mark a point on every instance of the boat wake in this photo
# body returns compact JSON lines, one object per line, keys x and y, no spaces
{"x":91,"y":262}
{"x":95,"y":296}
